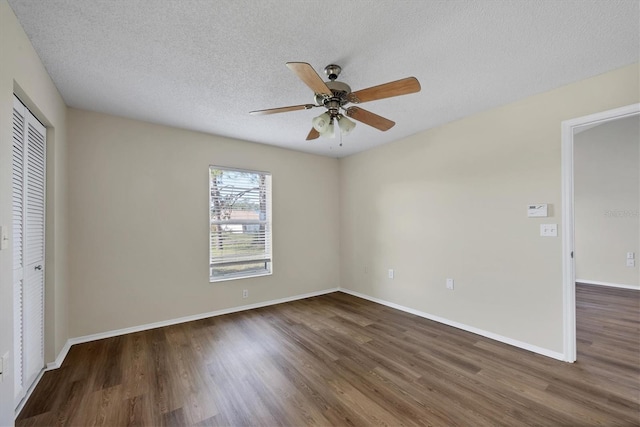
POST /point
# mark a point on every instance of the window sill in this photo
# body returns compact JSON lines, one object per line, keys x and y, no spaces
{"x":240,"y":276}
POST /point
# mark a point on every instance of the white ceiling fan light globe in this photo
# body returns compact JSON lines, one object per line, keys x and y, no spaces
{"x":345,"y":125}
{"x":321,"y":123}
{"x":329,"y":132}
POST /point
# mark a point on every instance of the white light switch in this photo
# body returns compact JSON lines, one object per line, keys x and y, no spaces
{"x":390,"y":273}
{"x":549,"y":230}
{"x":4,"y":237}
{"x":450,"y":284}
{"x":631,"y":263}
{"x":631,"y":255}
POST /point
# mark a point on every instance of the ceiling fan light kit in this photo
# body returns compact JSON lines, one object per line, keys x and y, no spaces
{"x":330,"y":132}
{"x":345,"y":125}
{"x":321,"y":123}
{"x":325,"y":124}
{"x":334,"y":95}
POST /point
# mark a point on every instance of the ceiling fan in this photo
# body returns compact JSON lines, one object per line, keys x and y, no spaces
{"x":335,"y":95}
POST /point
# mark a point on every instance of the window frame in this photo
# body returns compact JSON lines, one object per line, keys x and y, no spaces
{"x":268,"y":255}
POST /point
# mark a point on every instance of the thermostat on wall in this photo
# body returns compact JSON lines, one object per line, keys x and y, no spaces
{"x":537,"y":211}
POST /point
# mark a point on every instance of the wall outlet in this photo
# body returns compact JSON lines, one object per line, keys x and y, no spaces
{"x":245,"y":293}
{"x":450,"y":284}
{"x":631,"y":263}
{"x":391,"y":273}
{"x":631,"y":255}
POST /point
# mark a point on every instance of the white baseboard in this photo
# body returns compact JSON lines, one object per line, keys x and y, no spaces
{"x":487,"y":334}
{"x":612,"y":285}
{"x":108,"y":334}
{"x":28,"y":394}
{"x":61,"y":356}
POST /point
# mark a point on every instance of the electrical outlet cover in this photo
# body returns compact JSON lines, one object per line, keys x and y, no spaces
{"x":549,"y":230}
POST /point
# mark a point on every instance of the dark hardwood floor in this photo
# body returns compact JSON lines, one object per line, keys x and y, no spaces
{"x":340,"y":360}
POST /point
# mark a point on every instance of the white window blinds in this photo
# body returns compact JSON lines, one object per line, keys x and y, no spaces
{"x":240,"y":223}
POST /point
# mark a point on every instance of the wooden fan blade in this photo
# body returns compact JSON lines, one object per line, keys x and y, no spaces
{"x":308,"y":75}
{"x":387,"y":90}
{"x":282,"y":109}
{"x":313,"y":134}
{"x":369,"y":118}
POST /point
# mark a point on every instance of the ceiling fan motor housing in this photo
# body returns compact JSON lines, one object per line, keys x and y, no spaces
{"x":340,"y":91}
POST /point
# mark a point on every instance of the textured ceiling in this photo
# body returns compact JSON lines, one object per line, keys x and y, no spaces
{"x":203,"y":65}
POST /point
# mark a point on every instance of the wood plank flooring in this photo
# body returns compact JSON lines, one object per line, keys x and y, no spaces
{"x":340,"y":360}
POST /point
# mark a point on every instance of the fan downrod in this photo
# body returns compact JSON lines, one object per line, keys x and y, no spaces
{"x":339,"y":91}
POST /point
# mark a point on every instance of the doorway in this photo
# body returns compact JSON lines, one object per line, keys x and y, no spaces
{"x":569,"y":129}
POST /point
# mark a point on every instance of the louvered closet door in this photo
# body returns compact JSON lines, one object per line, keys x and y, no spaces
{"x":28,"y":240}
{"x":18,"y":238}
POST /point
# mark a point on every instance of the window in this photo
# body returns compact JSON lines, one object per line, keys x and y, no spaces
{"x":240,"y":223}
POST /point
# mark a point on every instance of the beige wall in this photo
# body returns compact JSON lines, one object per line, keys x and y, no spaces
{"x":22,"y":72}
{"x":607,"y":187}
{"x":139,"y":209}
{"x":452,"y":202}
